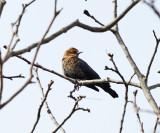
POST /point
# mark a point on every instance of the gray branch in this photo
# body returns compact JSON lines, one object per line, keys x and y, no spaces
{"x":79,"y":24}
{"x":2,"y":3}
{"x":141,"y":77}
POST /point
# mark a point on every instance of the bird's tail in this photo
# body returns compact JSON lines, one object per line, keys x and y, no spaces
{"x":107,"y":88}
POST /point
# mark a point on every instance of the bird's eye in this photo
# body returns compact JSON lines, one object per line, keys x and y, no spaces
{"x":74,"y":52}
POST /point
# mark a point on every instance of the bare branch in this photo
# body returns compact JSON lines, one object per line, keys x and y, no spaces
{"x":1,"y":78}
{"x":8,"y":52}
{"x":140,"y":76}
{"x":116,"y":33}
{"x":85,"y":82}
{"x":39,"y":45}
{"x":121,"y":82}
{"x":118,"y":38}
{"x":125,"y":83}
{"x":2,"y":3}
{"x":15,"y":94}
{"x":12,"y":77}
{"x":81,"y":82}
{"x":125,"y":103}
{"x":147,"y":111}
{"x":149,"y":66}
{"x":144,"y":86}
{"x":137,"y":111}
{"x":46,"y":69}
{"x":114,"y":2}
{"x":131,"y":79}
{"x":152,"y":6}
{"x":45,"y":103}
{"x":18,"y":21}
{"x":154,"y":86}
{"x":115,"y":68}
{"x":155,"y":127}
{"x":88,"y":14}
{"x":75,"y":108}
{"x":15,"y":33}
{"x":76,"y":87}
{"x":124,"y":111}
{"x":81,"y":25}
{"x":31,"y":75}
{"x":36,"y":53}
{"x":41,"y":105}
{"x":125,"y":49}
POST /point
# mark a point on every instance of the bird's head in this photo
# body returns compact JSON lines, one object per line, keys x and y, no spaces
{"x":72,"y":52}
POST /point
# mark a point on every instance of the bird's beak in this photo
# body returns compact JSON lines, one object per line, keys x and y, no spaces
{"x":79,"y":53}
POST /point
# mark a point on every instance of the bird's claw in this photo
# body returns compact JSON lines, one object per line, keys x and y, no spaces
{"x":76,"y":86}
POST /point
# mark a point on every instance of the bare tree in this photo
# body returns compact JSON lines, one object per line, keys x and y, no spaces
{"x":114,"y":28}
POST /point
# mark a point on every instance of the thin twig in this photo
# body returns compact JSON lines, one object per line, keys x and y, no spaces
{"x":36,"y":53}
{"x":137,"y":111}
{"x":8,"y":53}
{"x":15,"y":33}
{"x":155,"y":127}
{"x":152,"y":6}
{"x":2,"y":3}
{"x":32,"y":63}
{"x":126,"y":88}
{"x":45,"y":69}
{"x":12,"y":77}
{"x":1,"y":78}
{"x":45,"y":103}
{"x":140,"y":76}
{"x":155,"y":51}
{"x":39,"y":45}
{"x":88,"y":14}
{"x":71,"y":93}
{"x":79,"y":24}
{"x":116,"y":70}
{"x":131,"y":79}
{"x":125,"y":103}
{"x":16,"y":93}
{"x":114,"y":2}
{"x":41,"y":105}
{"x":124,"y":110}
{"x":18,"y":21}
{"x":75,"y":108}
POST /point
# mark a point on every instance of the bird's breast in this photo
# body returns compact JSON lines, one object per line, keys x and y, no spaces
{"x":71,"y":68}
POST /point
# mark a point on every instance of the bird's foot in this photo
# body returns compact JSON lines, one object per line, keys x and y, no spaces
{"x":76,"y":85}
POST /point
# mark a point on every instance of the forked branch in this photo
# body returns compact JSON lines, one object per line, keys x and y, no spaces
{"x":81,"y":25}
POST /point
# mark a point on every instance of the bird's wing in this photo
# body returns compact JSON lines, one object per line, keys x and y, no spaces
{"x":89,"y":72}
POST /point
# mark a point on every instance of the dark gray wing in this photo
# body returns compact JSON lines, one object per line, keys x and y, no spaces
{"x":89,"y":72}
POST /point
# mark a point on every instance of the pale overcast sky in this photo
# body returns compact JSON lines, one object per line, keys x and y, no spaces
{"x":136,"y":30}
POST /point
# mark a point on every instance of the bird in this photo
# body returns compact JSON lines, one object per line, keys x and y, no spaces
{"x":76,"y":68}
